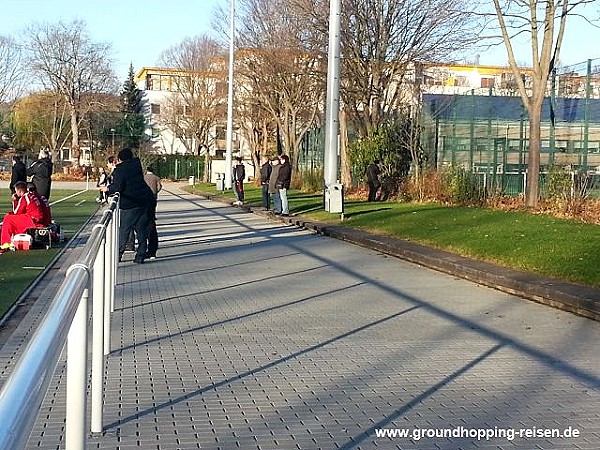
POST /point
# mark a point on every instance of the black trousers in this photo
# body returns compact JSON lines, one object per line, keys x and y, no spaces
{"x":373,"y":187}
{"x":152,"y":233}
{"x":135,"y":219}
{"x":266,"y":198}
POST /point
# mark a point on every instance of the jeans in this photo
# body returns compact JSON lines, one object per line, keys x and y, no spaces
{"x":134,"y":219}
{"x":276,"y":203}
{"x":265,"y":196}
{"x":285,"y":208}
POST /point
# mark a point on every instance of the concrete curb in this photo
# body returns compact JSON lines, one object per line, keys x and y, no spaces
{"x":578,"y":299}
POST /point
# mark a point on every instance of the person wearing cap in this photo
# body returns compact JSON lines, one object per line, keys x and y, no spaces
{"x":40,"y":172}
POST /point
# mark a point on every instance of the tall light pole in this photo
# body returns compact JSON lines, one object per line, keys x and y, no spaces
{"x":332,"y":110}
{"x":230,"y":101}
{"x":112,"y":130}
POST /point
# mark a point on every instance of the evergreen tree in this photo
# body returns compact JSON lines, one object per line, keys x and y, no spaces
{"x":131,"y":95}
{"x":133,"y":124}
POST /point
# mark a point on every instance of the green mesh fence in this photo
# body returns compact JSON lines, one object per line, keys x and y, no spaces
{"x":489,"y":133}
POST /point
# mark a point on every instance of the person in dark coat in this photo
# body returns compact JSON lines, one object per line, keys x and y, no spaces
{"x":373,"y":172}
{"x":19,"y":173}
{"x":40,"y":172}
{"x":239,"y":174}
{"x":265,"y":174}
{"x":135,"y":199}
{"x":284,"y":179}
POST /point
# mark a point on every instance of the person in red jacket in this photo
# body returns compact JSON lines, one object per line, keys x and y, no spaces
{"x":27,"y":212}
{"x":44,"y":204}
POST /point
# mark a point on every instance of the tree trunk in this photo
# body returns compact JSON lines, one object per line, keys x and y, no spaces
{"x":345,"y":172}
{"x":532,"y":189}
{"x":207,"y":167}
{"x":75,"y":150}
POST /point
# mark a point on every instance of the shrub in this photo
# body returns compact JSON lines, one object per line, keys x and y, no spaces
{"x":558,"y":185}
{"x":386,"y":144}
{"x":463,"y":186}
{"x":309,"y":180}
{"x":450,"y":185}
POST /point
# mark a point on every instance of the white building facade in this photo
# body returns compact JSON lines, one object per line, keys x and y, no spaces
{"x":167,"y":136}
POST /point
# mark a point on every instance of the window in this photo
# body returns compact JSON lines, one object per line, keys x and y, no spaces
{"x":487,"y":82}
{"x":155,"y":108}
{"x":221,"y":133}
{"x":460,"y":81}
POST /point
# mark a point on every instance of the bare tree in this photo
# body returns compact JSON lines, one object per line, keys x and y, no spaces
{"x":12,"y":73}
{"x":381,"y":40}
{"x":256,"y":125}
{"x":544,"y":22}
{"x":66,"y":60}
{"x":279,"y":68}
{"x":199,"y":92}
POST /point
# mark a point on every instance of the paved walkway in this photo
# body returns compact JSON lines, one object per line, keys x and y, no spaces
{"x":248,"y":333}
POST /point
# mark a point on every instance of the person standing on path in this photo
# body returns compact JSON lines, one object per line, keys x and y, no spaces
{"x":40,"y":172}
{"x":153,"y":182}
{"x":284,"y":179}
{"x":19,"y":173}
{"x":239,"y":174}
{"x":265,"y":174}
{"x":134,"y":200}
{"x":273,"y":189}
{"x":102,"y":181}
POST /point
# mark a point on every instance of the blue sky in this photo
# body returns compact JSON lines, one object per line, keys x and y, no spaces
{"x":139,"y":30}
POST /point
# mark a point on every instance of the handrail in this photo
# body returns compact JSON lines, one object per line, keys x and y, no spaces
{"x":66,"y":322}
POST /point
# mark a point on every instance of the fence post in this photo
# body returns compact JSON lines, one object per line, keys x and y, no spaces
{"x":115,"y":259}
{"x":75,"y":438}
{"x":108,"y":279}
{"x":98,"y":301}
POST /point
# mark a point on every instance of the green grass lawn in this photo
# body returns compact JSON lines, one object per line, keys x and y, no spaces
{"x":563,"y":249}
{"x":19,"y":269}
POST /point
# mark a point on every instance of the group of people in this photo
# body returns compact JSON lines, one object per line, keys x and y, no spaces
{"x":30,"y":200}
{"x":275,"y":179}
{"x":138,"y":194}
{"x":138,"y":197}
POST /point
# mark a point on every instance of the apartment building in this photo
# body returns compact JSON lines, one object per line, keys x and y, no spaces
{"x":169,"y":115}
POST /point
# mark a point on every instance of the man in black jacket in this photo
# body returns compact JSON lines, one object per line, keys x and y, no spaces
{"x":372,"y":173}
{"x":239,"y":174}
{"x":265,"y":174}
{"x":135,"y":199}
{"x":40,"y":172}
{"x":19,"y":172}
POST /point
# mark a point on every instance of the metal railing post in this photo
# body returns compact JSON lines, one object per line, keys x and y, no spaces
{"x":109,"y":266}
{"x":98,"y":301}
{"x":115,"y":247}
{"x":75,"y":436}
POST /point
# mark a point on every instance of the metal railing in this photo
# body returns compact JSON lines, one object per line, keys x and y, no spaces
{"x":67,"y":322}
